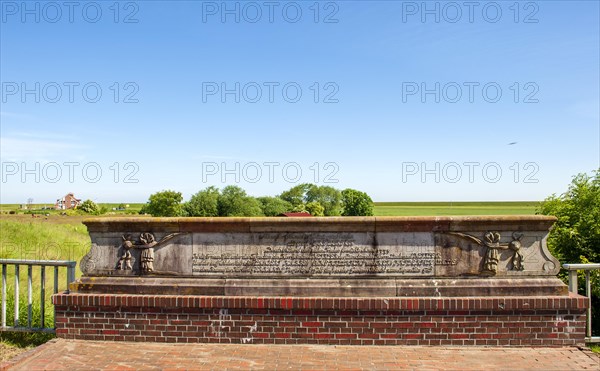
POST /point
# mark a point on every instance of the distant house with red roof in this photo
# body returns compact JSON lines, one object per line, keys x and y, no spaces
{"x":67,"y":202}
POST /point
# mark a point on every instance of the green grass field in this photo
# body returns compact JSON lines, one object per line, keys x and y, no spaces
{"x":37,"y":209}
{"x":53,"y":238}
{"x":455,"y":208}
{"x":381,"y":208}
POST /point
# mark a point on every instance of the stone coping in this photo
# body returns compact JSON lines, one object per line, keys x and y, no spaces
{"x":321,"y":224}
{"x":324,"y":287}
{"x":95,"y":302}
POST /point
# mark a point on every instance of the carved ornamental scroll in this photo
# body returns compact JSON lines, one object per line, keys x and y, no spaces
{"x":491,"y":241}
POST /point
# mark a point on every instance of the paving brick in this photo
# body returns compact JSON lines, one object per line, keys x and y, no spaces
{"x":84,"y":355}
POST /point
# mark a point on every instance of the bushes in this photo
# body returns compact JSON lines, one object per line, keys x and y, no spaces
{"x":234,"y":201}
{"x":575,"y":237}
{"x":203,"y":203}
{"x":164,"y":203}
{"x":273,"y":206}
{"x":306,"y":197}
{"x":89,"y":207}
{"x":356,"y":203}
{"x":315,"y":208}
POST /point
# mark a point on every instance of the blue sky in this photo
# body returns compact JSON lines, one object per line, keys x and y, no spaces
{"x":494,"y":74}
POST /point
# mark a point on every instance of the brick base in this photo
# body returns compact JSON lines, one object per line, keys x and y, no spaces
{"x":489,"y":321}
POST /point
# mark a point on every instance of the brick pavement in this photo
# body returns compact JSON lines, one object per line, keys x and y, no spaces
{"x":61,"y":354}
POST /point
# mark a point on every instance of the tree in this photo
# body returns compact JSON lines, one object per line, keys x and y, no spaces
{"x":299,"y":208}
{"x":234,"y":201}
{"x":89,"y":207}
{"x":575,"y":237}
{"x":576,"y":234}
{"x":296,"y":195}
{"x":329,"y":197}
{"x":273,"y":206}
{"x":356,"y":203}
{"x":203,"y":203}
{"x":315,"y":209}
{"x":164,"y":203}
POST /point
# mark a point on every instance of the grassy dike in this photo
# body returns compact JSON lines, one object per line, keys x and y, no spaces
{"x":52,"y":238}
{"x":455,"y":208}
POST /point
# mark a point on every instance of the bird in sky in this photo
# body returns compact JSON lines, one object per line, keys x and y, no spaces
{"x":512,"y":143}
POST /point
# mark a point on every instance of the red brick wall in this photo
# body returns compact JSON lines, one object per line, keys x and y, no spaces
{"x":523,"y":321}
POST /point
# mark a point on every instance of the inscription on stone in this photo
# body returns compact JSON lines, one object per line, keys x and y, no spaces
{"x":322,"y":248}
{"x":322,"y":254}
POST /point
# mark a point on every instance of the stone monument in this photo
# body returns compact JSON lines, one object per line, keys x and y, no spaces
{"x":342,"y":280}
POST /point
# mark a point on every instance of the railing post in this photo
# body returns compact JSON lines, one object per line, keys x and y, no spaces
{"x":55,"y":280}
{"x":55,"y":291}
{"x":3,"y":295}
{"x":43,"y":296}
{"x":573,"y":281}
{"x":16,"y":297}
{"x":70,"y":275}
{"x":588,"y":293}
{"x":29,"y":293}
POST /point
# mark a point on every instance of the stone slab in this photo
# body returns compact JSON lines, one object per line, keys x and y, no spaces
{"x":325,"y":287}
{"x":342,"y":257}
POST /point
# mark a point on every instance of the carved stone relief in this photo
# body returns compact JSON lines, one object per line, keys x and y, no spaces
{"x":491,"y":241}
{"x":146,"y":243}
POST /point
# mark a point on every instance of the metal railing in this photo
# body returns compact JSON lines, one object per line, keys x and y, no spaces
{"x":573,"y":270}
{"x":70,"y":265}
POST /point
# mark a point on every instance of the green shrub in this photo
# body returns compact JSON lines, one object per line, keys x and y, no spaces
{"x":204,"y":203}
{"x":273,"y":206}
{"x":89,"y":207}
{"x":356,"y":203}
{"x":233,"y":201}
{"x":575,"y":237}
{"x":315,"y":208}
{"x":164,"y":203}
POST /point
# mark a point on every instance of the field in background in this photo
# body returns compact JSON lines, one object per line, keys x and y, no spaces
{"x":455,"y":208}
{"x":37,"y":209}
{"x":381,"y":208}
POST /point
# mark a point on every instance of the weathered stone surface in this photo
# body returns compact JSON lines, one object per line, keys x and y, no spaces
{"x":323,"y":256}
{"x":324,"y":287}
